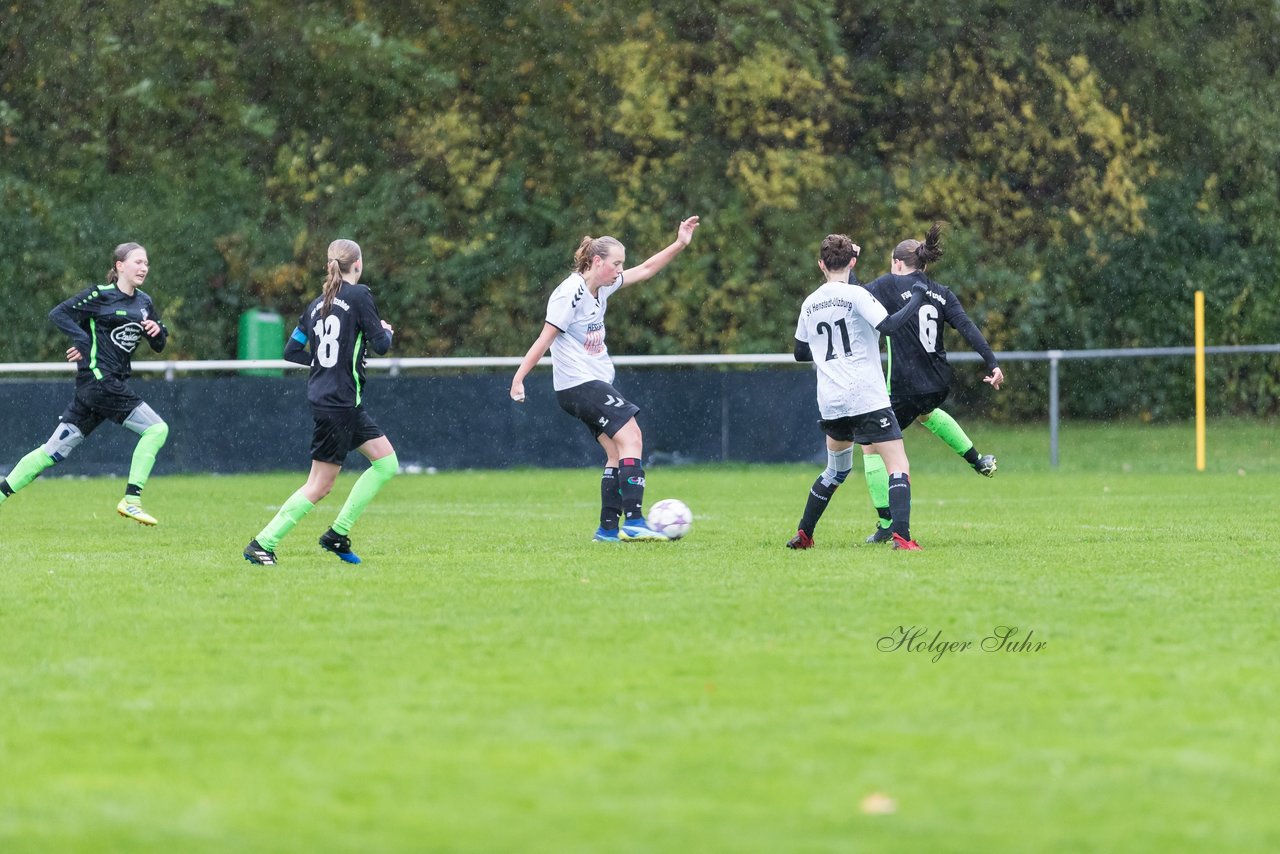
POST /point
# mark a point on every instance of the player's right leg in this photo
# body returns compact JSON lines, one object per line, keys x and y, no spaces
{"x":895,"y":460}
{"x":63,"y":441}
{"x":610,"y":496}
{"x":839,"y":464}
{"x":262,"y":548}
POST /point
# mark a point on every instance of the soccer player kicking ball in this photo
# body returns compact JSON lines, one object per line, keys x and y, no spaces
{"x":839,"y":331}
{"x":583,"y":374}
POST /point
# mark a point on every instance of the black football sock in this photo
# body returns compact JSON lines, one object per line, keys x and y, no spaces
{"x":900,"y":504}
{"x":610,"y":500}
{"x":819,"y":496}
{"x":971,"y":456}
{"x":631,"y":487}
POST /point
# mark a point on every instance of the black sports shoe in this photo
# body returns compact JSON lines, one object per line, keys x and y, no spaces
{"x":880,"y":535}
{"x":255,"y":553}
{"x":339,"y":544}
{"x":986,"y":465}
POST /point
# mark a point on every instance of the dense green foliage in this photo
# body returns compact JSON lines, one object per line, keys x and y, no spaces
{"x":482,"y":688}
{"x":1098,"y":162}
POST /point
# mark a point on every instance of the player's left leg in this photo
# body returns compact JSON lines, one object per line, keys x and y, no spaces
{"x":630,"y":445}
{"x":878,"y":486}
{"x":946,"y":428}
{"x":383,"y":465}
{"x":152,"y":432}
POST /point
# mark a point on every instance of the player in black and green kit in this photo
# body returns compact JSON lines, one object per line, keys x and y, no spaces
{"x":338,"y":326}
{"x":105,"y":323}
{"x":919,"y":374}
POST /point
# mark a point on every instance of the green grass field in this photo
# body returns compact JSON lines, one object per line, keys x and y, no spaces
{"x":488,"y":680}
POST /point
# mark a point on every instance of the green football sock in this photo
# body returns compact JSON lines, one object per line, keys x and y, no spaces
{"x":945,"y":428}
{"x":877,"y":485}
{"x":27,"y":470}
{"x":379,"y":472}
{"x":144,"y":454}
{"x":291,"y":513}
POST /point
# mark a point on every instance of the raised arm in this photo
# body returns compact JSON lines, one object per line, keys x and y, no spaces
{"x":651,"y":265}
{"x":536,"y":352}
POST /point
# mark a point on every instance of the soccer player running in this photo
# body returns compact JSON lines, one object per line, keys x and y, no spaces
{"x":919,"y":374}
{"x":583,"y":375}
{"x":339,"y":326}
{"x":839,"y":331}
{"x":105,"y":324}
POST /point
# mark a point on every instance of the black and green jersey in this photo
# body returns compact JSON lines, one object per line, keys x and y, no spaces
{"x":338,"y":343}
{"x":105,"y":325}
{"x":917,"y":356}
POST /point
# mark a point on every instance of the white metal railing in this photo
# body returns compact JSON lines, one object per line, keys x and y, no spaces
{"x":170,"y":368}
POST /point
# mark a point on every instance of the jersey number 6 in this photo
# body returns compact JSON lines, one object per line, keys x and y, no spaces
{"x":928,"y":318}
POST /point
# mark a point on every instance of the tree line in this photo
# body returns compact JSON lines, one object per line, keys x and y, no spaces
{"x":1097,"y":162}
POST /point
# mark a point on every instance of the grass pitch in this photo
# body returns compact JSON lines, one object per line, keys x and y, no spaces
{"x":488,"y":680}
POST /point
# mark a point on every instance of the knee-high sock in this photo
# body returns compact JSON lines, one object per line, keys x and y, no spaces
{"x":631,"y":485}
{"x":877,"y":486}
{"x":290,"y":514}
{"x":900,"y":504}
{"x":942,"y":425}
{"x":144,"y":454}
{"x":610,"y":499}
{"x":27,"y":470}
{"x":374,"y":478}
{"x":839,"y":463}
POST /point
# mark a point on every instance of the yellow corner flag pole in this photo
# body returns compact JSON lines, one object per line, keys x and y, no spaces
{"x":1199,"y":380}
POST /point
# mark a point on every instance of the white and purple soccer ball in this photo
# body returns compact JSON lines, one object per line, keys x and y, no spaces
{"x":671,"y":517}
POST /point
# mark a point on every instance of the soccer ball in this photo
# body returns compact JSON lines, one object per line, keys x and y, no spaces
{"x":670,"y":516}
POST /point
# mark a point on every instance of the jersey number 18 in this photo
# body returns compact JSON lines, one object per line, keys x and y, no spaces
{"x":327,"y":347}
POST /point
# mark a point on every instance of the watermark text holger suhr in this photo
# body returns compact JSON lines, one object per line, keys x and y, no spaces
{"x":1004,"y":639}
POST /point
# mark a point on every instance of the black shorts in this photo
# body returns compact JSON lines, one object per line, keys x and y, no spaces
{"x":909,"y":407}
{"x":339,"y":432}
{"x":599,"y":406}
{"x":95,"y":401}
{"x":865,"y":429}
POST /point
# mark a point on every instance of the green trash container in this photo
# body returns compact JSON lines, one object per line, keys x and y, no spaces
{"x":261,"y":337}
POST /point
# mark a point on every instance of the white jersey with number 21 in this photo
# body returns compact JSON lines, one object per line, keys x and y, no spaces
{"x":838,"y":321}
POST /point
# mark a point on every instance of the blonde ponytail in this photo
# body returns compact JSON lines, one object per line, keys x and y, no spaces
{"x":342,"y":254}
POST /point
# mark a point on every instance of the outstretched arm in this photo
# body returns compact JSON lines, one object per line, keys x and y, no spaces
{"x":536,"y":352}
{"x":654,"y":263}
{"x":902,"y":315}
{"x":962,"y":323}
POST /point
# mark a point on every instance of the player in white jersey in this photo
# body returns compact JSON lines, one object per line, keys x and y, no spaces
{"x":839,"y":331}
{"x":583,"y":375}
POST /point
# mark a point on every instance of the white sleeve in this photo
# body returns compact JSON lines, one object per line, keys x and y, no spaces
{"x":869,"y":307}
{"x":802,"y":330}
{"x":560,"y":309}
